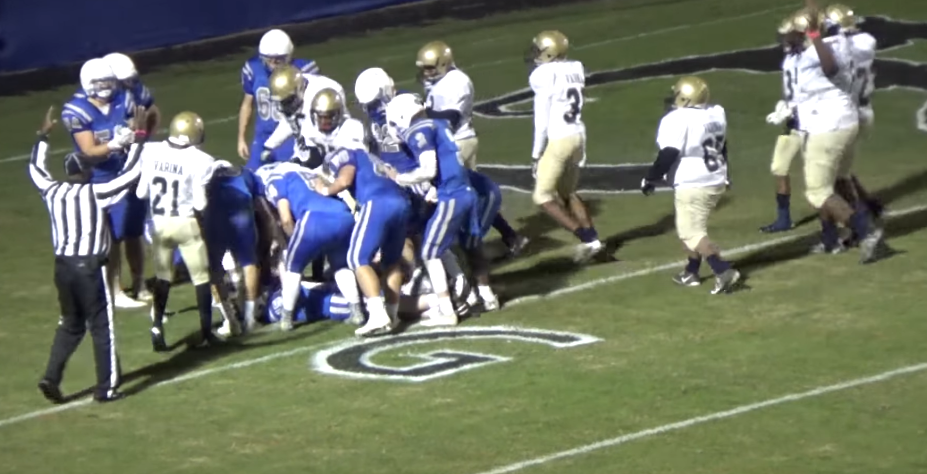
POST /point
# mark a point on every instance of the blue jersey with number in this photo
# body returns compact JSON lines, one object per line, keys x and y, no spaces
{"x":254,"y":81}
{"x":80,"y":115}
{"x":392,"y":151}
{"x":294,"y":187}
{"x":370,"y":180}
{"x":434,"y":135}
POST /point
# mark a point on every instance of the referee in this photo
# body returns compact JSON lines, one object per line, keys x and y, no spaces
{"x":81,"y":240}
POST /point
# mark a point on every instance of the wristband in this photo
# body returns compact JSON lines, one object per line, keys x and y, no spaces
{"x":813,"y":35}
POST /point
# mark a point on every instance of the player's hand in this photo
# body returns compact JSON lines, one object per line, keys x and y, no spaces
{"x":534,"y":167}
{"x":780,"y":114}
{"x":391,"y":173}
{"x":123,"y":137}
{"x":647,"y":187}
{"x":244,"y":151}
{"x":48,"y":122}
{"x":813,"y":15}
{"x":266,"y":154}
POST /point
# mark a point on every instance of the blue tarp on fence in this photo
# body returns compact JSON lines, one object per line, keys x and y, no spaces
{"x":43,"y":33}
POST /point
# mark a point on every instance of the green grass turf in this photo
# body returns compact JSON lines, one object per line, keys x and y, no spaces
{"x":667,"y":354}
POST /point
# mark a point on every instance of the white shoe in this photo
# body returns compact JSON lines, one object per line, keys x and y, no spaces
{"x":439,"y":320}
{"x":143,"y":295}
{"x":491,"y":304}
{"x":586,"y":251}
{"x":376,"y":324}
{"x":250,"y":325}
{"x":122,"y":300}
{"x":225,"y":330}
{"x":473,"y":299}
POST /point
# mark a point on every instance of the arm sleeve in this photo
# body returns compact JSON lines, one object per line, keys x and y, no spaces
{"x":247,"y":79}
{"x":452,"y":116}
{"x":541,"y":114}
{"x":37,"y":170}
{"x":106,"y":193}
{"x":281,"y":133}
{"x":662,"y":165}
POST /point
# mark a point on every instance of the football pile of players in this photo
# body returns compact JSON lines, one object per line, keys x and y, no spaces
{"x":386,"y":210}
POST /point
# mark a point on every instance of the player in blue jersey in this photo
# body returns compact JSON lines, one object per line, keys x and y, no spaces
{"x":315,"y":302}
{"x":316,"y":225}
{"x":125,"y":72}
{"x":374,"y":89}
{"x":275,"y":49}
{"x":384,"y":210}
{"x":432,"y":144}
{"x":236,"y":206}
{"x":98,"y":119}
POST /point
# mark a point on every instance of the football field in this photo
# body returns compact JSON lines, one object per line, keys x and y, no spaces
{"x":818,"y":365}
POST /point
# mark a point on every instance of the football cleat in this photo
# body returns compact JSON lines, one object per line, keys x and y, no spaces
{"x":822,"y":248}
{"x":111,"y":395}
{"x":777,"y":226}
{"x":51,"y":392}
{"x":157,"y":341}
{"x":516,"y":247}
{"x":587,"y":251}
{"x":726,"y":281}
{"x":685,"y":278}
{"x":870,"y":246}
{"x":439,"y":320}
{"x":357,"y":317}
{"x":377,"y":324}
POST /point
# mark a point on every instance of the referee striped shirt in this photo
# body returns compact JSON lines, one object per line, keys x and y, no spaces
{"x":78,"y":221}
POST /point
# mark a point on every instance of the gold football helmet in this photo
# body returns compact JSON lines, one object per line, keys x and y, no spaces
{"x":287,"y":86}
{"x":327,"y":110}
{"x":187,"y":129}
{"x":434,"y":60}
{"x":547,"y":46}
{"x":690,"y":91}
{"x":842,"y":16}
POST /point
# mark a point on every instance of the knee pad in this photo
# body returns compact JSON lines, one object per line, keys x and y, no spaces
{"x":691,"y":240}
{"x":818,"y":195}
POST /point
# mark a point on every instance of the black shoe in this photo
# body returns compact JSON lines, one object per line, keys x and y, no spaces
{"x":51,"y":392}
{"x":108,"y":396}
{"x":777,"y":226}
{"x":208,"y":341}
{"x":157,"y":341}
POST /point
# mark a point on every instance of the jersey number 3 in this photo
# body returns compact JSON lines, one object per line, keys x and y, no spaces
{"x":575,"y":98}
{"x":156,"y":207}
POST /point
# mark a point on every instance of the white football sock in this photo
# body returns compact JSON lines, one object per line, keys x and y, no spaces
{"x":289,"y":289}
{"x":347,"y":285}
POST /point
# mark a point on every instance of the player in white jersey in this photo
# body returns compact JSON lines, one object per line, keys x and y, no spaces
{"x":174,"y":175}
{"x":789,"y":142}
{"x":841,"y":20}
{"x":828,"y":116}
{"x":449,"y":96}
{"x":560,"y":138}
{"x":692,"y":139}
{"x":293,"y":92}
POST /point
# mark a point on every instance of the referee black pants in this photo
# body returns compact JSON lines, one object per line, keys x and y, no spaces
{"x":85,"y":304}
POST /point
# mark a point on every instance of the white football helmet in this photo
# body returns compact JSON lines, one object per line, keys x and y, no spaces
{"x":275,"y":48}
{"x":98,"y":79}
{"x":122,"y":66}
{"x":374,"y":84}
{"x":401,"y":110}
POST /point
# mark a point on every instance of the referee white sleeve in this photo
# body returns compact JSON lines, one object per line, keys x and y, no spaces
{"x":37,"y":170}
{"x":111,"y":192}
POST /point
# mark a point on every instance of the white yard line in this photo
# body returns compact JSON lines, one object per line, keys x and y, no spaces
{"x":526,"y":299}
{"x":230,"y":118}
{"x":743,"y":409}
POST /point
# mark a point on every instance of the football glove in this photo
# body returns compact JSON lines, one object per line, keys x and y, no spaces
{"x":647,"y":187}
{"x":266,"y":154}
{"x":780,"y":115}
{"x":123,"y":137}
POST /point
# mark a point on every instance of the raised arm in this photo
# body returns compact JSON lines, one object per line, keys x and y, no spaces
{"x":37,"y":170}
